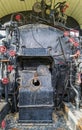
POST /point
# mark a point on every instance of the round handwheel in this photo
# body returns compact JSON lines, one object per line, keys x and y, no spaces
{"x":18,"y":17}
{"x":5,"y":80}
{"x":12,"y":53}
{"x":3,"y":49}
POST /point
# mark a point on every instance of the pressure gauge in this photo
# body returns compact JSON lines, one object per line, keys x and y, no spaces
{"x":37,"y":7}
{"x":48,"y":2}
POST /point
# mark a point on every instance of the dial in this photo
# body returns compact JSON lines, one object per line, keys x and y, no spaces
{"x":48,"y":2}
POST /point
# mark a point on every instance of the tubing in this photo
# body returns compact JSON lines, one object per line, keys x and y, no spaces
{"x":77,"y":99}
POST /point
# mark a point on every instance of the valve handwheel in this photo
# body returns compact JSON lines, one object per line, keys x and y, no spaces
{"x":3,"y":49}
{"x":18,"y":17}
{"x":12,"y":53}
{"x":5,"y":80}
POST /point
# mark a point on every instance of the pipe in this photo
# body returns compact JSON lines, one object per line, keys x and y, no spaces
{"x":6,"y":93}
{"x":0,"y":90}
{"x":6,"y":86}
{"x":0,"y":80}
{"x":52,"y":6}
{"x":77,"y":99}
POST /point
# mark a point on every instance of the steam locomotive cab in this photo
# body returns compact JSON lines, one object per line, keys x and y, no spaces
{"x":40,"y":69}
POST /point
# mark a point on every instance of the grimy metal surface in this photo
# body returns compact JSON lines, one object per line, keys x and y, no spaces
{"x":42,"y":68}
{"x":35,"y":95}
{"x":59,"y":123}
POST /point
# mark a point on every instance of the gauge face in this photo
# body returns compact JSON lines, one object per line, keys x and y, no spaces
{"x":48,"y":2}
{"x":37,"y":7}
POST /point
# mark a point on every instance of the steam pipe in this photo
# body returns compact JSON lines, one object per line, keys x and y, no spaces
{"x":52,"y":6}
{"x":77,"y":99}
{"x":0,"y":79}
{"x":0,"y":90}
{"x":6,"y":86}
{"x":6,"y":93}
